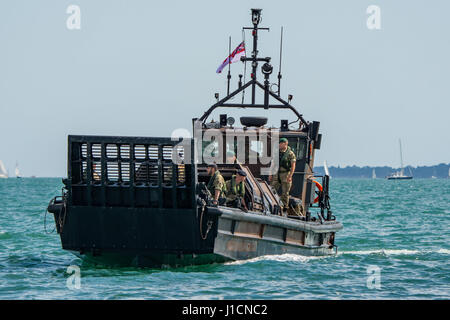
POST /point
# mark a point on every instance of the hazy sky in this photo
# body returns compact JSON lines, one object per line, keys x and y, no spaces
{"x":146,"y":68}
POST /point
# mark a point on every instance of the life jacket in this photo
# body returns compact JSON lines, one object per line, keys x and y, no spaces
{"x":239,"y":189}
{"x":284,"y":161}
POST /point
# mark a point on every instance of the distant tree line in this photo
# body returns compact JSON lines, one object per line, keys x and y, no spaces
{"x":438,"y":171}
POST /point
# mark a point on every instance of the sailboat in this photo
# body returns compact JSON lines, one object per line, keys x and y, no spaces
{"x":3,"y":172}
{"x":17,"y":171}
{"x":399,"y":175}
{"x":374,"y":175}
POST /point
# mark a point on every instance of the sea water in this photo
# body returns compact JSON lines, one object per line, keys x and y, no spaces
{"x":394,"y":245}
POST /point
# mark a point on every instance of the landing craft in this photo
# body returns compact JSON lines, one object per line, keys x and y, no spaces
{"x":143,"y":201}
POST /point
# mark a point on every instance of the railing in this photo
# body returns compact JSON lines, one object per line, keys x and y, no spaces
{"x":129,"y":172}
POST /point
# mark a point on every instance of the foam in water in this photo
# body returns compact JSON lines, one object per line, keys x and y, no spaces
{"x":287,"y":257}
{"x":393,"y":252}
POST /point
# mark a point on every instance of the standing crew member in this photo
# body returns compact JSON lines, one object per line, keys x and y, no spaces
{"x":236,"y":190}
{"x":285,"y":172}
{"x":216,"y":184}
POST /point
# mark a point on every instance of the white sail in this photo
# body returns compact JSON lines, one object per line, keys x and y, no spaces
{"x":17,"y":171}
{"x":325,"y":167}
{"x":374,"y":175}
{"x":3,"y":173}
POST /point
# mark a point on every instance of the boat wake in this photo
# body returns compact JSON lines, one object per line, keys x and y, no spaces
{"x":393,"y":252}
{"x":298,"y":258}
{"x":287,"y":257}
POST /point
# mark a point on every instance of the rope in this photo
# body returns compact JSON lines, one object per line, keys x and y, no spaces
{"x":63,"y":220}
{"x":209,"y":224}
{"x":45,"y":219}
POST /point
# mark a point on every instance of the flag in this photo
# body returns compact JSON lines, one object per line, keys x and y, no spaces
{"x":233,"y":57}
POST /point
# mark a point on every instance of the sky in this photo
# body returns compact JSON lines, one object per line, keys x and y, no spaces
{"x":146,"y":68}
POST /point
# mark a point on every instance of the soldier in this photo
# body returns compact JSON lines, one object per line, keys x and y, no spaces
{"x":285,"y":172}
{"x":216,"y":184}
{"x":236,"y":190}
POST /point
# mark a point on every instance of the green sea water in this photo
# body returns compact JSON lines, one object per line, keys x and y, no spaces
{"x":394,"y":245}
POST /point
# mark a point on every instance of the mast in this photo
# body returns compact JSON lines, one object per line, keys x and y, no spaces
{"x":253,"y":82}
{"x":401,"y":157}
{"x":256,"y":18}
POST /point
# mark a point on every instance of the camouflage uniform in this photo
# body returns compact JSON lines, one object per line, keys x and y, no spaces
{"x":234,"y":190}
{"x":280,"y":179}
{"x":217,"y":182}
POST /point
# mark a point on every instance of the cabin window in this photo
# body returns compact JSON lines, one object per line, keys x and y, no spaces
{"x":298,"y":146}
{"x":210,"y":149}
{"x":257,"y":146}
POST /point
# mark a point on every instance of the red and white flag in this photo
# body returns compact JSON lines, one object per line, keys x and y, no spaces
{"x":233,"y":57}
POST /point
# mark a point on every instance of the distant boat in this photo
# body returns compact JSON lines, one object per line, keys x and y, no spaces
{"x":17,"y":171}
{"x":374,"y":175}
{"x":3,"y":172}
{"x":399,"y":175}
{"x":325,"y":167}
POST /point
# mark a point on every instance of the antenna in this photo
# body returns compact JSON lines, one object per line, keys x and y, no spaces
{"x":229,"y":66}
{"x":279,"y":70}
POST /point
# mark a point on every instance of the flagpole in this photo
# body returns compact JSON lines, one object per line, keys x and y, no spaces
{"x":229,"y":66}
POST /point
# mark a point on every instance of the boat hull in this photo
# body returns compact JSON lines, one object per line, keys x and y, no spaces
{"x":174,"y":238}
{"x":399,"y":178}
{"x":143,"y":259}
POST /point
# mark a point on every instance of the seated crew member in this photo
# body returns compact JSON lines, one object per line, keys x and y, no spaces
{"x":216,"y":184}
{"x":286,"y":168}
{"x":236,"y":190}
